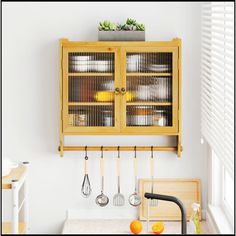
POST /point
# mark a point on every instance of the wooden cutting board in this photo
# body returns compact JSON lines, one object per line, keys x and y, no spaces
{"x":187,"y":190}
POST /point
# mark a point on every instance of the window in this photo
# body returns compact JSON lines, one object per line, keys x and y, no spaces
{"x":217,"y":99}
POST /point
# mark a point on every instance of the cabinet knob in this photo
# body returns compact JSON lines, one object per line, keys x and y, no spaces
{"x":117,"y":90}
{"x":123,"y":91}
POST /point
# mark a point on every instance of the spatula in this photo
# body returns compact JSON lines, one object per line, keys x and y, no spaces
{"x":118,"y":199}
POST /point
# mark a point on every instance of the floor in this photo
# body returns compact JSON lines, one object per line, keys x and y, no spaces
{"x":119,"y":227}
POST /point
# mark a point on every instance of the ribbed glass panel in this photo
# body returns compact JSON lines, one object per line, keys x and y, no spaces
{"x":149,"y":89}
{"x":91,"y":89}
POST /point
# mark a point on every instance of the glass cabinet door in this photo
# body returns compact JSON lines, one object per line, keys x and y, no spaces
{"x":150,"y":90}
{"x":90,"y":104}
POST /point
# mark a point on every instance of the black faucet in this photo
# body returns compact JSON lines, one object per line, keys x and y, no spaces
{"x":175,"y":200}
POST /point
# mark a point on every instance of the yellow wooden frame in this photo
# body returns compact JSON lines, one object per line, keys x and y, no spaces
{"x":89,"y":130}
{"x":152,"y":129}
{"x":119,"y":49}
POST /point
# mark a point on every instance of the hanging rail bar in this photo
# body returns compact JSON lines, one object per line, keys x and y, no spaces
{"x":122,"y":148}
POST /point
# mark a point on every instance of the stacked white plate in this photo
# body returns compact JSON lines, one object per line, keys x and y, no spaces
{"x":87,"y":63}
{"x":80,"y":63}
{"x":102,"y":66}
{"x":159,"y":67}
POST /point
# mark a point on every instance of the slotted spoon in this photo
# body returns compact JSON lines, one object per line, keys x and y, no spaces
{"x":86,"y":186}
{"x":152,"y":202}
{"x":102,"y":200}
{"x":135,"y":199}
{"x":118,"y":199}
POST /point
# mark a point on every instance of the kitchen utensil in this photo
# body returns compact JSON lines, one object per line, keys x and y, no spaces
{"x":159,"y":118}
{"x":143,"y":92}
{"x":152,"y":202}
{"x":86,"y":186}
{"x":158,"y":68}
{"x":104,"y":96}
{"x":129,"y":96}
{"x":80,"y":58}
{"x":118,"y":199}
{"x":135,"y":199}
{"x":102,"y":200}
{"x":159,"y":90}
{"x":133,"y":62}
{"x":108,"y":85}
{"x":79,"y":67}
{"x":101,"y":66}
{"x":142,"y":116}
{"x":107,"y":117}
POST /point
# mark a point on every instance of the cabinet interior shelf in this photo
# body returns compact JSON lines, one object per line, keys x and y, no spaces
{"x":111,"y":74}
{"x":90,"y":103}
{"x":128,"y":103}
{"x":149,"y":74}
{"x":148,"y":103}
{"x":90,"y":74}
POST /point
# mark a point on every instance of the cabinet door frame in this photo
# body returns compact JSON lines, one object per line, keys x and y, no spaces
{"x":73,"y":130}
{"x":175,"y":96}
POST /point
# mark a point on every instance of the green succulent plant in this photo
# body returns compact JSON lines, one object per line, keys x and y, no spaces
{"x":140,"y":27}
{"x":119,"y":27}
{"x":130,"y":25}
{"x":130,"y":21}
{"x":106,"y":26}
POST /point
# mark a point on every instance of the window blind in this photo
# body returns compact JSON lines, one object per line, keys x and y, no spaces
{"x":217,"y":80}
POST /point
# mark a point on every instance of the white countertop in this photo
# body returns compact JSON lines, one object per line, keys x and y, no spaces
{"x":96,"y":226}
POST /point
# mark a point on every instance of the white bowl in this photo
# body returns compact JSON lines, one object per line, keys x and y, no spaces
{"x":140,"y":120}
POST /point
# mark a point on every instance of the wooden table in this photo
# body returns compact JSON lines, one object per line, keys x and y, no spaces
{"x":14,"y":182}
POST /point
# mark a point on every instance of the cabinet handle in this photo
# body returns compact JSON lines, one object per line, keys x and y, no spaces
{"x":123,"y":91}
{"x":117,"y":91}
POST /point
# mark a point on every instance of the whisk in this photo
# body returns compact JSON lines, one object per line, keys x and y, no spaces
{"x":86,"y":186}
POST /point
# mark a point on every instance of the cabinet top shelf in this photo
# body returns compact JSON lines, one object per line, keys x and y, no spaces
{"x":174,"y":42}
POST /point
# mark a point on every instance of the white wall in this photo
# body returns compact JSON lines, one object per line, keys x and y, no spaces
{"x":31,"y":104}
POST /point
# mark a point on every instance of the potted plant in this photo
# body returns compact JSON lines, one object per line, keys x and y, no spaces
{"x":130,"y":31}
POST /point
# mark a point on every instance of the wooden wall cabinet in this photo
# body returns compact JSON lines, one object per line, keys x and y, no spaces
{"x":120,"y":88}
